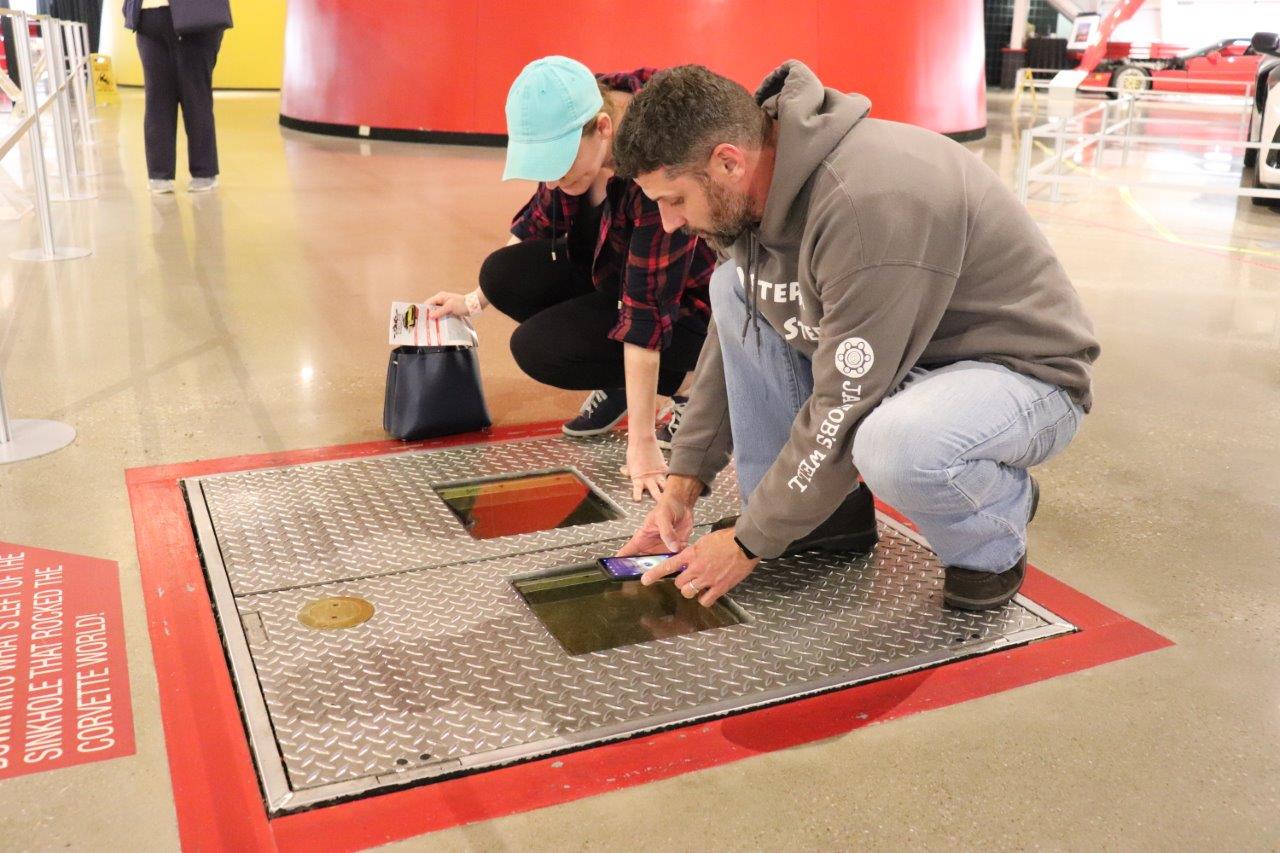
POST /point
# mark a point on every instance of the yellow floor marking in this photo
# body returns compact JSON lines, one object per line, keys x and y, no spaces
{"x":1126,"y":195}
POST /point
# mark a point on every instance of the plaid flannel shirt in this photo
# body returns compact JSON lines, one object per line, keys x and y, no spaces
{"x":660,"y":278}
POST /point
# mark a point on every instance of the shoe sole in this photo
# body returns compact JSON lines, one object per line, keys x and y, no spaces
{"x":587,"y":433}
{"x":960,"y":603}
{"x":982,"y":604}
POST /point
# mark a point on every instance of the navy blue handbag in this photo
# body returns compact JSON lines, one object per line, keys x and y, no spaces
{"x":199,"y":16}
{"x":433,"y":391}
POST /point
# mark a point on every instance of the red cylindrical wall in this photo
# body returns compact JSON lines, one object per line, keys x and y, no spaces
{"x":446,"y":65}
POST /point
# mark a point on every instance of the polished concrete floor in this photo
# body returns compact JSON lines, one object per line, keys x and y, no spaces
{"x":252,"y":319}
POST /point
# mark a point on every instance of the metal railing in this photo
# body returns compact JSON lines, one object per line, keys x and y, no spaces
{"x":63,"y":69}
{"x":1116,"y":122}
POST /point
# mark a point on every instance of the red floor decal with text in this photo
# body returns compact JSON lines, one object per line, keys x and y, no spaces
{"x":64,"y":680}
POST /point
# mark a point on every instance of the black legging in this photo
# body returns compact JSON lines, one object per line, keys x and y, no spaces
{"x":564,"y":322}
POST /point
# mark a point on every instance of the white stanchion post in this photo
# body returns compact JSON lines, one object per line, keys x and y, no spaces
{"x":51,"y":30}
{"x":1128,"y":131}
{"x":78,"y":65}
{"x":1059,"y":140}
{"x":48,"y":251}
{"x":27,"y":439}
{"x":86,"y":49}
{"x":72,"y":40}
{"x":51,"y":77}
{"x":1102,"y":135}
{"x":6,"y":432}
{"x":1024,"y":164}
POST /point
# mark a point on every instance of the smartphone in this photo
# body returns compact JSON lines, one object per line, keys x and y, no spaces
{"x":627,"y":568}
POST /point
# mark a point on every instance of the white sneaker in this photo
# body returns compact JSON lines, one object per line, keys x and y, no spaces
{"x":202,"y":185}
{"x":160,"y":187}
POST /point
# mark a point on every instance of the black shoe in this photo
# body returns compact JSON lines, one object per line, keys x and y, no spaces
{"x":667,"y":432}
{"x":966,"y":589}
{"x":852,"y":527}
{"x":600,"y":413}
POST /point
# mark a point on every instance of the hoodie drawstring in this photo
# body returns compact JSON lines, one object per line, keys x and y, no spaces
{"x":753,"y":297}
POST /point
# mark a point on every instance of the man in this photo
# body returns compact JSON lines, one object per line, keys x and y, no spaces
{"x":888,"y":308}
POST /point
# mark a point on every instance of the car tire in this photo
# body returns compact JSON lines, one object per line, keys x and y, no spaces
{"x":1251,"y":154}
{"x":1255,"y":181}
{"x":1133,"y":78}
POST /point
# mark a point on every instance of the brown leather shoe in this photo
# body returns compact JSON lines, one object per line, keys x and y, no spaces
{"x":966,"y":589}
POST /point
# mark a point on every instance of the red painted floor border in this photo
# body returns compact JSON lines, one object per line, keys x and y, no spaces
{"x":219,"y":806}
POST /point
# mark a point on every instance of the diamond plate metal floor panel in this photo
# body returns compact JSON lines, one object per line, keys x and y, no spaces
{"x":454,"y":673}
{"x":285,"y":527}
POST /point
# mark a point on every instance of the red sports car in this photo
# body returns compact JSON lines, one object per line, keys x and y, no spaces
{"x":1226,"y":67}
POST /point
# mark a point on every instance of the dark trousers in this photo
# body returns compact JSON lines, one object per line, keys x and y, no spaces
{"x":562,"y":339}
{"x":178,"y":70}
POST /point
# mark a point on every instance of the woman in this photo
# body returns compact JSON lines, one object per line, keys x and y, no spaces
{"x":606,"y":299}
{"x":177,"y":68}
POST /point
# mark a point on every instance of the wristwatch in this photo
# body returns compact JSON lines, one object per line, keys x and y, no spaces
{"x":472,"y":300}
{"x":744,"y":549}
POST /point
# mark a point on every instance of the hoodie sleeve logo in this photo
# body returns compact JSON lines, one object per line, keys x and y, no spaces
{"x":854,"y":357}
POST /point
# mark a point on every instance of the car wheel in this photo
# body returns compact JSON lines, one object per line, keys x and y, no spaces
{"x":1255,"y":178}
{"x":1130,"y":79}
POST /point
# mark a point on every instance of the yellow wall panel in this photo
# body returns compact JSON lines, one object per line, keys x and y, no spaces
{"x":252,"y":55}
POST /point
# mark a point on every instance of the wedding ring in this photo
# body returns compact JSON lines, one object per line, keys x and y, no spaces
{"x":691,"y":588}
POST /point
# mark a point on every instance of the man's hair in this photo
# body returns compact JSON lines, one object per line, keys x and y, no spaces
{"x":680,"y":116}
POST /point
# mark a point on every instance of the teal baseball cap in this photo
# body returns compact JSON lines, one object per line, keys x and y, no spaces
{"x":547,"y":107}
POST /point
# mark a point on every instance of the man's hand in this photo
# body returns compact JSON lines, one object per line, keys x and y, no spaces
{"x":645,"y":465}
{"x":713,"y":566}
{"x":669,"y":525}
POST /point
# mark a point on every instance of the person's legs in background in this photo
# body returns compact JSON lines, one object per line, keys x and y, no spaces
{"x":157,"y":48}
{"x":197,"y":54}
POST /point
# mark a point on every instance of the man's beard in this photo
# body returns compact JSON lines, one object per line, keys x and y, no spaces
{"x":730,"y":217}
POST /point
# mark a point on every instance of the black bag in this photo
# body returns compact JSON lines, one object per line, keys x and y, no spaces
{"x":433,"y":391}
{"x":198,"y":16}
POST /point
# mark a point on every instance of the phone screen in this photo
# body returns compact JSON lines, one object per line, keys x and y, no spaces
{"x":631,"y":567}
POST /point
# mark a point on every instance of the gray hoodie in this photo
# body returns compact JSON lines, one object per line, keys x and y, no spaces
{"x":882,"y":246}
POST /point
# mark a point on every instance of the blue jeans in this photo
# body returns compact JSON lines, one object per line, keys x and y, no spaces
{"x":949,"y":449}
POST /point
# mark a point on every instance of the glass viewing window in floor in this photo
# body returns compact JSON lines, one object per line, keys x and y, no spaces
{"x":525,"y":503}
{"x":586,"y":610}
